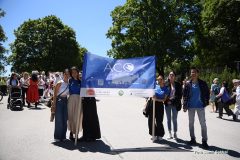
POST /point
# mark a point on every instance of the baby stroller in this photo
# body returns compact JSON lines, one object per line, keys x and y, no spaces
{"x":15,"y":98}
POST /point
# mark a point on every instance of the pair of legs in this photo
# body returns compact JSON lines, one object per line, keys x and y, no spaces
{"x":75,"y":115}
{"x":171,"y":112}
{"x":213,"y":106}
{"x":61,"y":117}
{"x":24,"y":94}
{"x":202,"y":120}
{"x":227,"y":109}
{"x":159,"y":113}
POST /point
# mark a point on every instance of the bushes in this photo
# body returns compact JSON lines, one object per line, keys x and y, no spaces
{"x":225,"y":75}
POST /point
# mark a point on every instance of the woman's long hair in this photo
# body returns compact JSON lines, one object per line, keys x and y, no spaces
{"x":34,"y":77}
{"x":76,"y":69}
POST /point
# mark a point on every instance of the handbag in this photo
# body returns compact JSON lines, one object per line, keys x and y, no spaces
{"x":148,"y":105}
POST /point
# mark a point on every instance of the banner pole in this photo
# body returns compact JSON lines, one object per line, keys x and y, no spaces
{"x":153,"y":121}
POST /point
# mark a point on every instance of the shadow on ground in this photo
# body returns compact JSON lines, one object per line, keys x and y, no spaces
{"x":168,"y":146}
{"x":97,"y":146}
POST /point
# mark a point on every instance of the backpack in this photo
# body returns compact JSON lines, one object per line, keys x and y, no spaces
{"x":225,"y":97}
{"x":216,"y":90}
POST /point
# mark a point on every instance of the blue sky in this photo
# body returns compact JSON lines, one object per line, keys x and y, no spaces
{"x":89,"y":18}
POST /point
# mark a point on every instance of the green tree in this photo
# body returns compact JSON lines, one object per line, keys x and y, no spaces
{"x":45,"y":44}
{"x":154,"y":27}
{"x":3,"y":38}
{"x":220,"y":35}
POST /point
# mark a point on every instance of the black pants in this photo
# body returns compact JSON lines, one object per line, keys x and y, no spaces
{"x":222,"y":105}
{"x":91,"y":127}
{"x":159,"y":114}
{"x":24,"y":94}
{"x":216,"y":104}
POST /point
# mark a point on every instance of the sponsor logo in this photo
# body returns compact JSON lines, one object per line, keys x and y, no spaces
{"x":128,"y":67}
{"x":90,"y":92}
{"x":120,"y":93}
{"x":119,"y":67}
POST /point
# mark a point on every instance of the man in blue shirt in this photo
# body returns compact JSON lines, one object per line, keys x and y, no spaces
{"x":196,"y":98}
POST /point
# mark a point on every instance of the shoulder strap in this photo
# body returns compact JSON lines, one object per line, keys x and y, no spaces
{"x":63,"y":91}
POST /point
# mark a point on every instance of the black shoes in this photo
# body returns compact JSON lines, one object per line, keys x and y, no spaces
{"x":83,"y":139}
{"x":71,"y":136}
{"x":192,"y":142}
{"x":234,"y":117}
{"x":205,"y":145}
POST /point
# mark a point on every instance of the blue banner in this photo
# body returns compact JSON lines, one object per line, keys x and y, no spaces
{"x":118,"y":77}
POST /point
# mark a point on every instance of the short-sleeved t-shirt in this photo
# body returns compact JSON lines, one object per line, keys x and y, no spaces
{"x":74,"y":86}
{"x":161,"y":92}
{"x":195,"y":97}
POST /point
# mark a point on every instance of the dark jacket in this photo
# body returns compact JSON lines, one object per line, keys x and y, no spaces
{"x":178,"y":95}
{"x":204,"y":91}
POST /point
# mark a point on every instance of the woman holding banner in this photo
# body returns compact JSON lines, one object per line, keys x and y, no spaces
{"x":161,"y":94}
{"x":75,"y":113}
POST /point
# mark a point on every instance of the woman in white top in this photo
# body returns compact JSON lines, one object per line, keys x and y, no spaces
{"x":224,"y":103}
{"x":41,"y":86}
{"x":60,"y":99}
{"x":24,"y":85}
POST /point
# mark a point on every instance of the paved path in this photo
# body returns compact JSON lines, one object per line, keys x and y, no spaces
{"x":28,"y":135}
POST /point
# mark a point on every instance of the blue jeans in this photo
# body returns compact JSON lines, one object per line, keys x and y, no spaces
{"x":202,"y":120}
{"x":61,"y":117}
{"x":171,"y":113}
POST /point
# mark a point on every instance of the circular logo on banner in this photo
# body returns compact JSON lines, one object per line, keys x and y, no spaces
{"x":120,"y":93}
{"x":128,"y":67}
{"x":90,"y":92}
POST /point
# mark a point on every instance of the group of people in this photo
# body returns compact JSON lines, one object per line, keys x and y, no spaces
{"x":77,"y":113}
{"x":193,"y":97}
{"x":72,"y":111}
{"x":220,"y":98}
{"x":29,"y":87}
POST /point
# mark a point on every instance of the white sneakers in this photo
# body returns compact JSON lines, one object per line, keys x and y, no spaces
{"x":170,"y":135}
{"x":155,"y":138}
{"x":175,"y":135}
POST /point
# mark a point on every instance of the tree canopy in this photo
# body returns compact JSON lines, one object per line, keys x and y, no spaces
{"x":180,"y":33}
{"x":220,"y":41}
{"x":3,"y":38}
{"x":162,"y":28}
{"x":45,"y":44}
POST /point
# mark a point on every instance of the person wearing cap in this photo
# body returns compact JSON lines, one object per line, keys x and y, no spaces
{"x":236,"y":83}
{"x":215,"y":89}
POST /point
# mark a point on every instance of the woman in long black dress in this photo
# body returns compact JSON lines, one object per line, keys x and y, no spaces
{"x":91,"y":127}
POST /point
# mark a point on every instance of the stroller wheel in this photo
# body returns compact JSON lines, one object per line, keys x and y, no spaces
{"x":11,"y":107}
{"x":21,"y":106}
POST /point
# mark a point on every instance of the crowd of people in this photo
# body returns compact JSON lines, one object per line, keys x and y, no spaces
{"x":80,"y":114}
{"x":69,"y":110}
{"x":193,"y":96}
